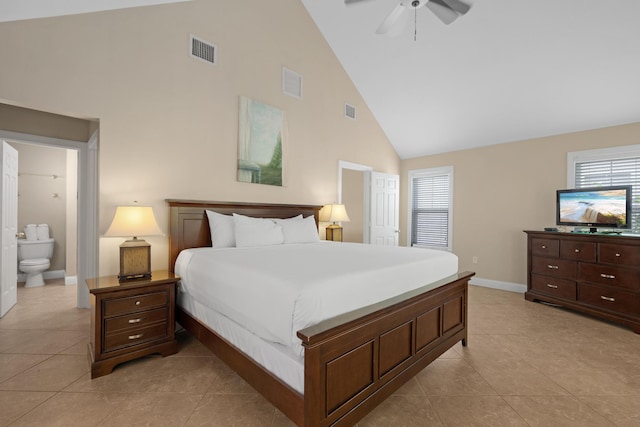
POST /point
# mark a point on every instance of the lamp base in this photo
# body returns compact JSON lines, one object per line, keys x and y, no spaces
{"x":134,"y":277}
{"x":135,"y":260}
{"x":334,"y":233}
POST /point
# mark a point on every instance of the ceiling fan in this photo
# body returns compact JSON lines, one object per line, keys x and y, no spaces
{"x":446,"y":10}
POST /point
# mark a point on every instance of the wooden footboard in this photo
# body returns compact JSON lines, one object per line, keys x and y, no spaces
{"x":354,"y":361}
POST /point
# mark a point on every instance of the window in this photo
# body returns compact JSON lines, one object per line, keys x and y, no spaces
{"x":609,"y":166}
{"x":430,"y":207}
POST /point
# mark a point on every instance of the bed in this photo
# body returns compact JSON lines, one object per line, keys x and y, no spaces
{"x":350,"y":362}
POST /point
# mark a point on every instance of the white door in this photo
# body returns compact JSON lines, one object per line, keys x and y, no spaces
{"x":9,"y":223}
{"x":385,"y":204}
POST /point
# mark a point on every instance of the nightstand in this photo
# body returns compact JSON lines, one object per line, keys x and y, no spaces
{"x":131,"y":319}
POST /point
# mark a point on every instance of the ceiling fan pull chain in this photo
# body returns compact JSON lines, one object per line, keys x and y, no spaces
{"x":415,"y":24}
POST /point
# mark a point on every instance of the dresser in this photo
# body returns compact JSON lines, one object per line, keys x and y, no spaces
{"x":131,"y":319}
{"x":597,"y":274}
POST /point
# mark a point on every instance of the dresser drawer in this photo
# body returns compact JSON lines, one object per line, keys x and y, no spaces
{"x":610,"y":275}
{"x":135,"y":320}
{"x":554,"y":267}
{"x":560,"y":288}
{"x":545,"y":247}
{"x":614,"y":300}
{"x":579,"y":251}
{"x":117,"y":306}
{"x":619,"y":254}
{"x":134,"y":337}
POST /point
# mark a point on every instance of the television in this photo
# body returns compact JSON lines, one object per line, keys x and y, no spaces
{"x":594,"y":207}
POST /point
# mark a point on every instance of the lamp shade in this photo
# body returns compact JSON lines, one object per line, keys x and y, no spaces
{"x":334,"y":213}
{"x":133,"y":221}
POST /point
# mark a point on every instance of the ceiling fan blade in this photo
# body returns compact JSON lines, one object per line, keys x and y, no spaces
{"x":350,"y":2}
{"x":442,"y":11}
{"x":391,"y":19}
{"x":458,"y":6}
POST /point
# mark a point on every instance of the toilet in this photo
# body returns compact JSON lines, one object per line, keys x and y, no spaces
{"x":34,"y":257}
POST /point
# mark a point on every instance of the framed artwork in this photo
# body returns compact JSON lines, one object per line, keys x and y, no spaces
{"x":261,"y":137}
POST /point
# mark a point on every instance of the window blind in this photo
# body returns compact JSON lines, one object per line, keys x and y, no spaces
{"x":624,"y":171}
{"x":430,"y":210}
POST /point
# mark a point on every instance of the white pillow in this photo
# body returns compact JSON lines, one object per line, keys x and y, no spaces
{"x":299,"y":230}
{"x":222,"y":230}
{"x":256,"y":231}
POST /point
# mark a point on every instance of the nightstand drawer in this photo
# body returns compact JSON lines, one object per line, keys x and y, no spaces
{"x":134,"y":337}
{"x":135,"y":320}
{"x":618,"y":301}
{"x":117,"y":306}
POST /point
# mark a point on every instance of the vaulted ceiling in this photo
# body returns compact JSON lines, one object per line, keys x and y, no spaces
{"x":508,"y":70}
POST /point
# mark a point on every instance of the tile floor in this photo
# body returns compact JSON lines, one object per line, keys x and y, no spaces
{"x":526,"y":365}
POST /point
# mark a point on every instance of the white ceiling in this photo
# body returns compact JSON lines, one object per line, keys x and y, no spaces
{"x":508,"y":70}
{"x":16,"y":10}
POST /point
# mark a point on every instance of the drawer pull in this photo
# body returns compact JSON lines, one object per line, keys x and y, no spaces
{"x":549,"y":285}
{"x":607,"y":276}
{"x":607,"y":298}
{"x":138,"y":302}
{"x":138,"y":320}
{"x":553,"y":267}
{"x":136,"y":336}
{"x":618,"y":255}
{"x":544,"y":246}
{"x":576,"y":250}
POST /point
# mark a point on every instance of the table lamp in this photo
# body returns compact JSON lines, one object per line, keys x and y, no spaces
{"x":135,"y":254}
{"x":334,"y":213}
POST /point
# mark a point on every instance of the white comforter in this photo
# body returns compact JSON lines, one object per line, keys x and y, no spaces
{"x":274,"y":291}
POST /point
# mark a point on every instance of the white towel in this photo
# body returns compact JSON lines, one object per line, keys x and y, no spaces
{"x":43,"y":231}
{"x":30,"y":231}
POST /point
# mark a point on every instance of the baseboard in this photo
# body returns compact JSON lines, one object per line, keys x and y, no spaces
{"x":496,"y":284}
{"x":70,"y":280}
{"x":53,"y":274}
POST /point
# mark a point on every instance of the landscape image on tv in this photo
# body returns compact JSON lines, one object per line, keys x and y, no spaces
{"x":594,"y":207}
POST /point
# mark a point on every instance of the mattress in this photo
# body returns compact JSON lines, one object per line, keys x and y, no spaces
{"x":274,"y":291}
{"x":276,"y":358}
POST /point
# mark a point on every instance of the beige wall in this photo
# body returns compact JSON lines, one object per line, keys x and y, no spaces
{"x":168,"y":123}
{"x":503,"y":189}
{"x":42,"y":199}
{"x":25,"y":120}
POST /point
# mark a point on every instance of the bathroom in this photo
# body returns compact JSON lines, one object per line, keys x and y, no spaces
{"x":47,"y":177}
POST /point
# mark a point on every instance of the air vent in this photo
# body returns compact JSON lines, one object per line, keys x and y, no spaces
{"x":203,"y":50}
{"x":291,"y":83}
{"x":350,"y":111}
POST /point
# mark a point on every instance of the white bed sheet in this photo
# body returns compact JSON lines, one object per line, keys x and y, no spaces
{"x":276,"y":358}
{"x":274,"y":291}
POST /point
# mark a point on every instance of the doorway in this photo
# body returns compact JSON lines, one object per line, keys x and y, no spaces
{"x":47,"y":189}
{"x":22,"y":125}
{"x":372,"y":203}
{"x":353,"y":192}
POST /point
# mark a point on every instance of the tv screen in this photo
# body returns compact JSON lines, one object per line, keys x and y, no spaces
{"x":595,"y":207}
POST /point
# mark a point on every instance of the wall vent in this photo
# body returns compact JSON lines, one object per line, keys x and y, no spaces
{"x":350,"y":111}
{"x":202,"y":50}
{"x":291,"y":83}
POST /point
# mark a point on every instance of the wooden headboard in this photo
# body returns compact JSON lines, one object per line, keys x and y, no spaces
{"x":189,"y":227}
